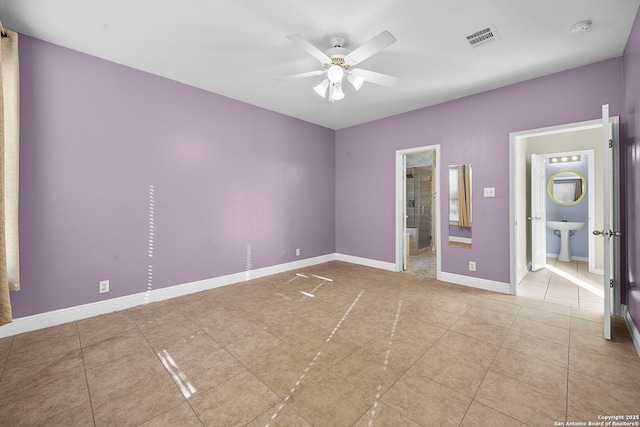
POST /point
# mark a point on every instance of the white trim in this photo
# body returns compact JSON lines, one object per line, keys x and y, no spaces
{"x":633,"y":330}
{"x":71,"y":314}
{"x":523,"y":273}
{"x":476,"y":282}
{"x":382,"y":265}
{"x":573,"y":258}
{"x":400,"y":228}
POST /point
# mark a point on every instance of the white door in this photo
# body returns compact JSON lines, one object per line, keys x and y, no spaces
{"x":608,"y":234}
{"x":538,"y":213}
{"x":405,"y":215}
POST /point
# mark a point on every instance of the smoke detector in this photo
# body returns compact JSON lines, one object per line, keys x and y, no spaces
{"x":581,"y":27}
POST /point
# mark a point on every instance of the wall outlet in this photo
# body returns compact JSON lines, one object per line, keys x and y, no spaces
{"x":298,"y":252}
{"x":104,"y":286}
{"x":472,"y":266}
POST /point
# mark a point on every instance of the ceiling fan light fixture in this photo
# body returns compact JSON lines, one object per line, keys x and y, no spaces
{"x":336,"y":93}
{"x":338,"y":62}
{"x":321,"y":89}
{"x":335,"y":73}
{"x":356,"y":81}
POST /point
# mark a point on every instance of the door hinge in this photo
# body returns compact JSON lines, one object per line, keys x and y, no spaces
{"x":611,"y":143}
{"x":611,"y":283}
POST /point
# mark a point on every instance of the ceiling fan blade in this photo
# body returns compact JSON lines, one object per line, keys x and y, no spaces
{"x":370,"y":48}
{"x":373,"y":77}
{"x":305,"y":45}
{"x":301,"y":75}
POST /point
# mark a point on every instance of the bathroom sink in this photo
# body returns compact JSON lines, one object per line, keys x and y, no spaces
{"x":565,"y":225}
{"x":565,"y":228}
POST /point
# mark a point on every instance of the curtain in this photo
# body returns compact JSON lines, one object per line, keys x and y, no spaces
{"x":464,"y":195}
{"x":9,"y":152}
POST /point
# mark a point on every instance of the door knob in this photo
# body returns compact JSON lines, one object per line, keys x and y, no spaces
{"x":534,"y":218}
{"x":607,"y":233}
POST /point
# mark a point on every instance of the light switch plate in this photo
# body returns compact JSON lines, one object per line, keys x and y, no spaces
{"x":489,"y":192}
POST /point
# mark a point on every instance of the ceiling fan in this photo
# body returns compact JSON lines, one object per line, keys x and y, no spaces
{"x":339,"y":62}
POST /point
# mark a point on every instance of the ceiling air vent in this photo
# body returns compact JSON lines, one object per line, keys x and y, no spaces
{"x":483,"y":36}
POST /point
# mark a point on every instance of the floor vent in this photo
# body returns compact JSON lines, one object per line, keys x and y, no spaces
{"x":483,"y":36}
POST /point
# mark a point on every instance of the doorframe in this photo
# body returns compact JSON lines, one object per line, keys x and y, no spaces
{"x":401,"y":204}
{"x":515,"y":171}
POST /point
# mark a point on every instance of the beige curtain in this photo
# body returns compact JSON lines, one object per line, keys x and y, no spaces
{"x":9,"y":152}
{"x":464,"y":195}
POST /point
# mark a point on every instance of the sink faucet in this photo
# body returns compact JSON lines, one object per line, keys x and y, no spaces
{"x":564,"y":218}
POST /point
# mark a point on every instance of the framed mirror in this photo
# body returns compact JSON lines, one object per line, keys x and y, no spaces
{"x":567,"y":187}
{"x":460,"y":205}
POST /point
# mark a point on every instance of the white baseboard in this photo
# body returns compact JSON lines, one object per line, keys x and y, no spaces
{"x":573,"y":258}
{"x":382,"y":265}
{"x":633,"y":330}
{"x":523,"y":273}
{"x":475,"y":282}
{"x":71,"y":314}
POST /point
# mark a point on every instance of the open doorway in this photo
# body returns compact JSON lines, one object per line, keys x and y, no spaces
{"x":417,"y":205}
{"x":577,"y":281}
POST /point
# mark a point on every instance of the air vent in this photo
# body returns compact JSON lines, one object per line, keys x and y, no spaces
{"x":483,"y":36}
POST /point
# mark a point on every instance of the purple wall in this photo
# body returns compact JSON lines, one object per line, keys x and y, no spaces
{"x":470,"y":130}
{"x":225,"y":175}
{"x":631,"y":159}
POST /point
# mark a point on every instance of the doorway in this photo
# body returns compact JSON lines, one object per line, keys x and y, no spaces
{"x":580,"y":137}
{"x":568,"y":190}
{"x":417,"y":211}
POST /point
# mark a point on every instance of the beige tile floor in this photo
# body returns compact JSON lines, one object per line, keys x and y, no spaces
{"x":567,"y":283}
{"x":368,"y":348}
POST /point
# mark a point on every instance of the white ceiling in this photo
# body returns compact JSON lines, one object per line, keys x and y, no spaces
{"x":238,"y":48}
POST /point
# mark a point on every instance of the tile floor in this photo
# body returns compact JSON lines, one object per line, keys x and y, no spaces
{"x":424,"y":264}
{"x":368,"y":348}
{"x":567,"y":283}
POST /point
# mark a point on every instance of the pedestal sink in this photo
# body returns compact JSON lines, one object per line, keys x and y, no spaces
{"x":564,"y":227}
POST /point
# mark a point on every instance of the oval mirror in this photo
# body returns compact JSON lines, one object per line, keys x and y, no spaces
{"x":567,"y":187}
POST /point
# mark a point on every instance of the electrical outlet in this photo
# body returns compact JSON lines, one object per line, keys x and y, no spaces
{"x":472,"y":266}
{"x":298,"y":252}
{"x":104,"y":286}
